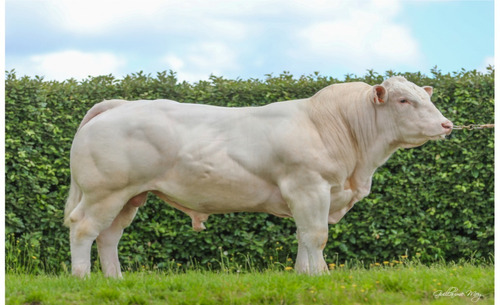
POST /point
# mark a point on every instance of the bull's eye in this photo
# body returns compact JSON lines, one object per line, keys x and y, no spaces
{"x":404,"y":101}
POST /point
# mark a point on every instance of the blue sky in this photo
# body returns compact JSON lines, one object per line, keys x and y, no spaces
{"x":60,"y":39}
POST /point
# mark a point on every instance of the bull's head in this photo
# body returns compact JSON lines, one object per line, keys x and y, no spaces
{"x":407,"y":110}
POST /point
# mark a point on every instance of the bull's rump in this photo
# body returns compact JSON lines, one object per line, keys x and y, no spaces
{"x":208,"y":159}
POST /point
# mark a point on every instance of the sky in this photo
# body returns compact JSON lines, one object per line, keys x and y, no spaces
{"x":62,"y":39}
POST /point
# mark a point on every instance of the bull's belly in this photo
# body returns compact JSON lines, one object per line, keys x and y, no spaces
{"x":218,"y":193}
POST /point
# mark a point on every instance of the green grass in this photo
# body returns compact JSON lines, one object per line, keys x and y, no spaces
{"x":408,"y":283}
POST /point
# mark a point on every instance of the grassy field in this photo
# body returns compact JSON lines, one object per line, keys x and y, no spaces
{"x":380,"y":284}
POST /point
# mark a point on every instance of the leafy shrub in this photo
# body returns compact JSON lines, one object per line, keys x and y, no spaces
{"x":433,"y":202}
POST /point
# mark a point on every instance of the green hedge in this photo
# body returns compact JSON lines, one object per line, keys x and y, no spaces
{"x":433,"y":202}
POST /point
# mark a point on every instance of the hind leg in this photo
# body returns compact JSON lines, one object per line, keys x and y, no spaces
{"x":107,"y":241}
{"x":81,"y":239}
{"x":86,"y":222}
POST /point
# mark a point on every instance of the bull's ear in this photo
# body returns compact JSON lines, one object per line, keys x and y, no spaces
{"x":429,"y":90}
{"x":379,"y":94}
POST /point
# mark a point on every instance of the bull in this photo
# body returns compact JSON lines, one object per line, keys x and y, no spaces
{"x":311,"y":159}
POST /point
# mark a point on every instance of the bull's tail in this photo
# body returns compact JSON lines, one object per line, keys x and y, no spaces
{"x":98,"y":109}
{"x":75,"y":193}
{"x":74,"y":197}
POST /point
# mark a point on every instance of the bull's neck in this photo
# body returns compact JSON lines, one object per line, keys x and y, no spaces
{"x":376,"y":155}
{"x":356,"y":134}
{"x":375,"y":144}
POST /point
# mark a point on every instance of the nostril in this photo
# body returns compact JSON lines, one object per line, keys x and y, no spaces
{"x":447,"y":125}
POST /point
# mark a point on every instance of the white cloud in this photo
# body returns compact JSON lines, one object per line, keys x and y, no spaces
{"x":357,"y":34}
{"x":174,"y":62}
{"x":226,"y":37}
{"x":102,"y":17}
{"x":71,"y":64}
{"x":99,"y":16}
{"x":363,"y":36}
{"x":488,"y":61}
{"x":201,"y":60}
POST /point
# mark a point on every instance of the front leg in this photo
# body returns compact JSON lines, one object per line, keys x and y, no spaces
{"x":302,"y":260}
{"x":309,"y":201}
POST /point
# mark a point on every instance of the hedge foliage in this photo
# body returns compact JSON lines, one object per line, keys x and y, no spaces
{"x":433,"y":202}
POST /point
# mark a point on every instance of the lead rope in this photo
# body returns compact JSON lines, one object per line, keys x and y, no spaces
{"x":474,"y":126}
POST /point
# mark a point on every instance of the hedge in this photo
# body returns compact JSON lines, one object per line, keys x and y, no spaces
{"x":432,"y":202}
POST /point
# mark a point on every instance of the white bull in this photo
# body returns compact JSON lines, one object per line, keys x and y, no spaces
{"x":309,"y":159}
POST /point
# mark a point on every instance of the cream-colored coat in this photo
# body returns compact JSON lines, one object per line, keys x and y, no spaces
{"x":310,"y":159}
